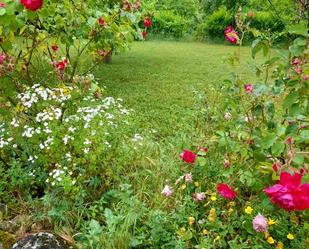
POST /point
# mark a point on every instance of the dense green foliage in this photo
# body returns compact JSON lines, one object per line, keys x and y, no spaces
{"x":208,"y":19}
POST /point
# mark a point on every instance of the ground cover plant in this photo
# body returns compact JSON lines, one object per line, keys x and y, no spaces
{"x":172,"y":145}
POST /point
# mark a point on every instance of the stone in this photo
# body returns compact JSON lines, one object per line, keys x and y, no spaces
{"x":42,"y":240}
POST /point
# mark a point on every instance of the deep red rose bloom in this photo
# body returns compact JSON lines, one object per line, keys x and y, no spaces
{"x":144,"y":34}
{"x":226,"y":192}
{"x":61,"y":65}
{"x":147,"y":22}
{"x":288,"y":193}
{"x":55,"y":48}
{"x":32,"y":5}
{"x":101,"y":21}
{"x":188,"y":156}
{"x":231,"y":35}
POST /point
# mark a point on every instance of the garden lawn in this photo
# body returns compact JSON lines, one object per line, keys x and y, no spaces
{"x":158,"y":80}
{"x":161,"y":81}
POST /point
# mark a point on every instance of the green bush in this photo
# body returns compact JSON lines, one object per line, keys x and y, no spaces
{"x":169,"y":24}
{"x":264,"y":20}
{"x":214,"y":25}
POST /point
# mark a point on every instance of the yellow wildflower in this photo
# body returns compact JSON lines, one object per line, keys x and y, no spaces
{"x":217,"y":238}
{"x":205,"y":231}
{"x":266,"y":234}
{"x":212,"y":215}
{"x":196,"y":184}
{"x":290,"y":236}
{"x":270,"y":240}
{"x":279,"y":245}
{"x":271,"y":222}
{"x":213,"y":198}
{"x":248,"y":210}
{"x":183,"y":187}
{"x":191,"y":221}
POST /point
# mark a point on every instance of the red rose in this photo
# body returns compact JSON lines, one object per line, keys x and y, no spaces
{"x":55,"y":48}
{"x":101,"y":21}
{"x":61,"y":65}
{"x":226,"y":192}
{"x":147,"y":22}
{"x":32,"y":5}
{"x":188,"y":156}
{"x":288,"y":193}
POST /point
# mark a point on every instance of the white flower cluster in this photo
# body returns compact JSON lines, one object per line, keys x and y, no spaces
{"x":3,"y":133}
{"x":37,"y":92}
{"x":58,"y":174}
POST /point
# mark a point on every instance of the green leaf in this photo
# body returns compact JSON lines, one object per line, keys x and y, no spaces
{"x":258,"y":45}
{"x":2,"y":11}
{"x":290,"y":99}
{"x":269,"y":140}
{"x":299,"y":159}
{"x":299,"y":29}
{"x":277,"y":148}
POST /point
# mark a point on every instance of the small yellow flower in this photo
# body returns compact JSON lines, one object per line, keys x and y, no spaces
{"x":213,"y":198}
{"x":248,"y":210}
{"x":270,"y":240}
{"x":290,"y":236}
{"x":266,"y":234}
{"x":191,"y":221}
{"x":181,"y":231}
{"x":230,"y":210}
{"x":279,"y":245}
{"x":271,"y":222}
{"x":217,"y":238}
{"x":183,"y":187}
{"x":196,"y":184}
{"x":205,"y":231}
{"x":212,"y":215}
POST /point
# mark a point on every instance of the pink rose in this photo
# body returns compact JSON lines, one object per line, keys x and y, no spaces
{"x":288,"y":193}
{"x":231,"y":35}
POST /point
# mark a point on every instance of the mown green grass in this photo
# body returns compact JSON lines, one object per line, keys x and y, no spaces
{"x":158,"y":79}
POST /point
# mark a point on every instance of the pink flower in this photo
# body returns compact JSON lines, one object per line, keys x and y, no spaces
{"x":288,"y":193}
{"x":2,"y":5}
{"x":147,"y":22}
{"x":188,"y":156}
{"x":188,"y":178}
{"x":167,"y":191}
{"x":200,"y":196}
{"x":32,"y":5}
{"x":55,"y":48}
{"x":2,"y":58}
{"x":296,"y":62}
{"x":260,"y":223}
{"x":225,"y":191}
{"x":306,"y":77}
{"x":249,"y":88}
{"x":101,"y":21}
{"x":231,"y":35}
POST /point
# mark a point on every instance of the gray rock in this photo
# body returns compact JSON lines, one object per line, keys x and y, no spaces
{"x":40,"y":240}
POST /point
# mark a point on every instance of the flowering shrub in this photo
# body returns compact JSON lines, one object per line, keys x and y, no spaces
{"x":61,"y":138}
{"x":261,"y":137}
